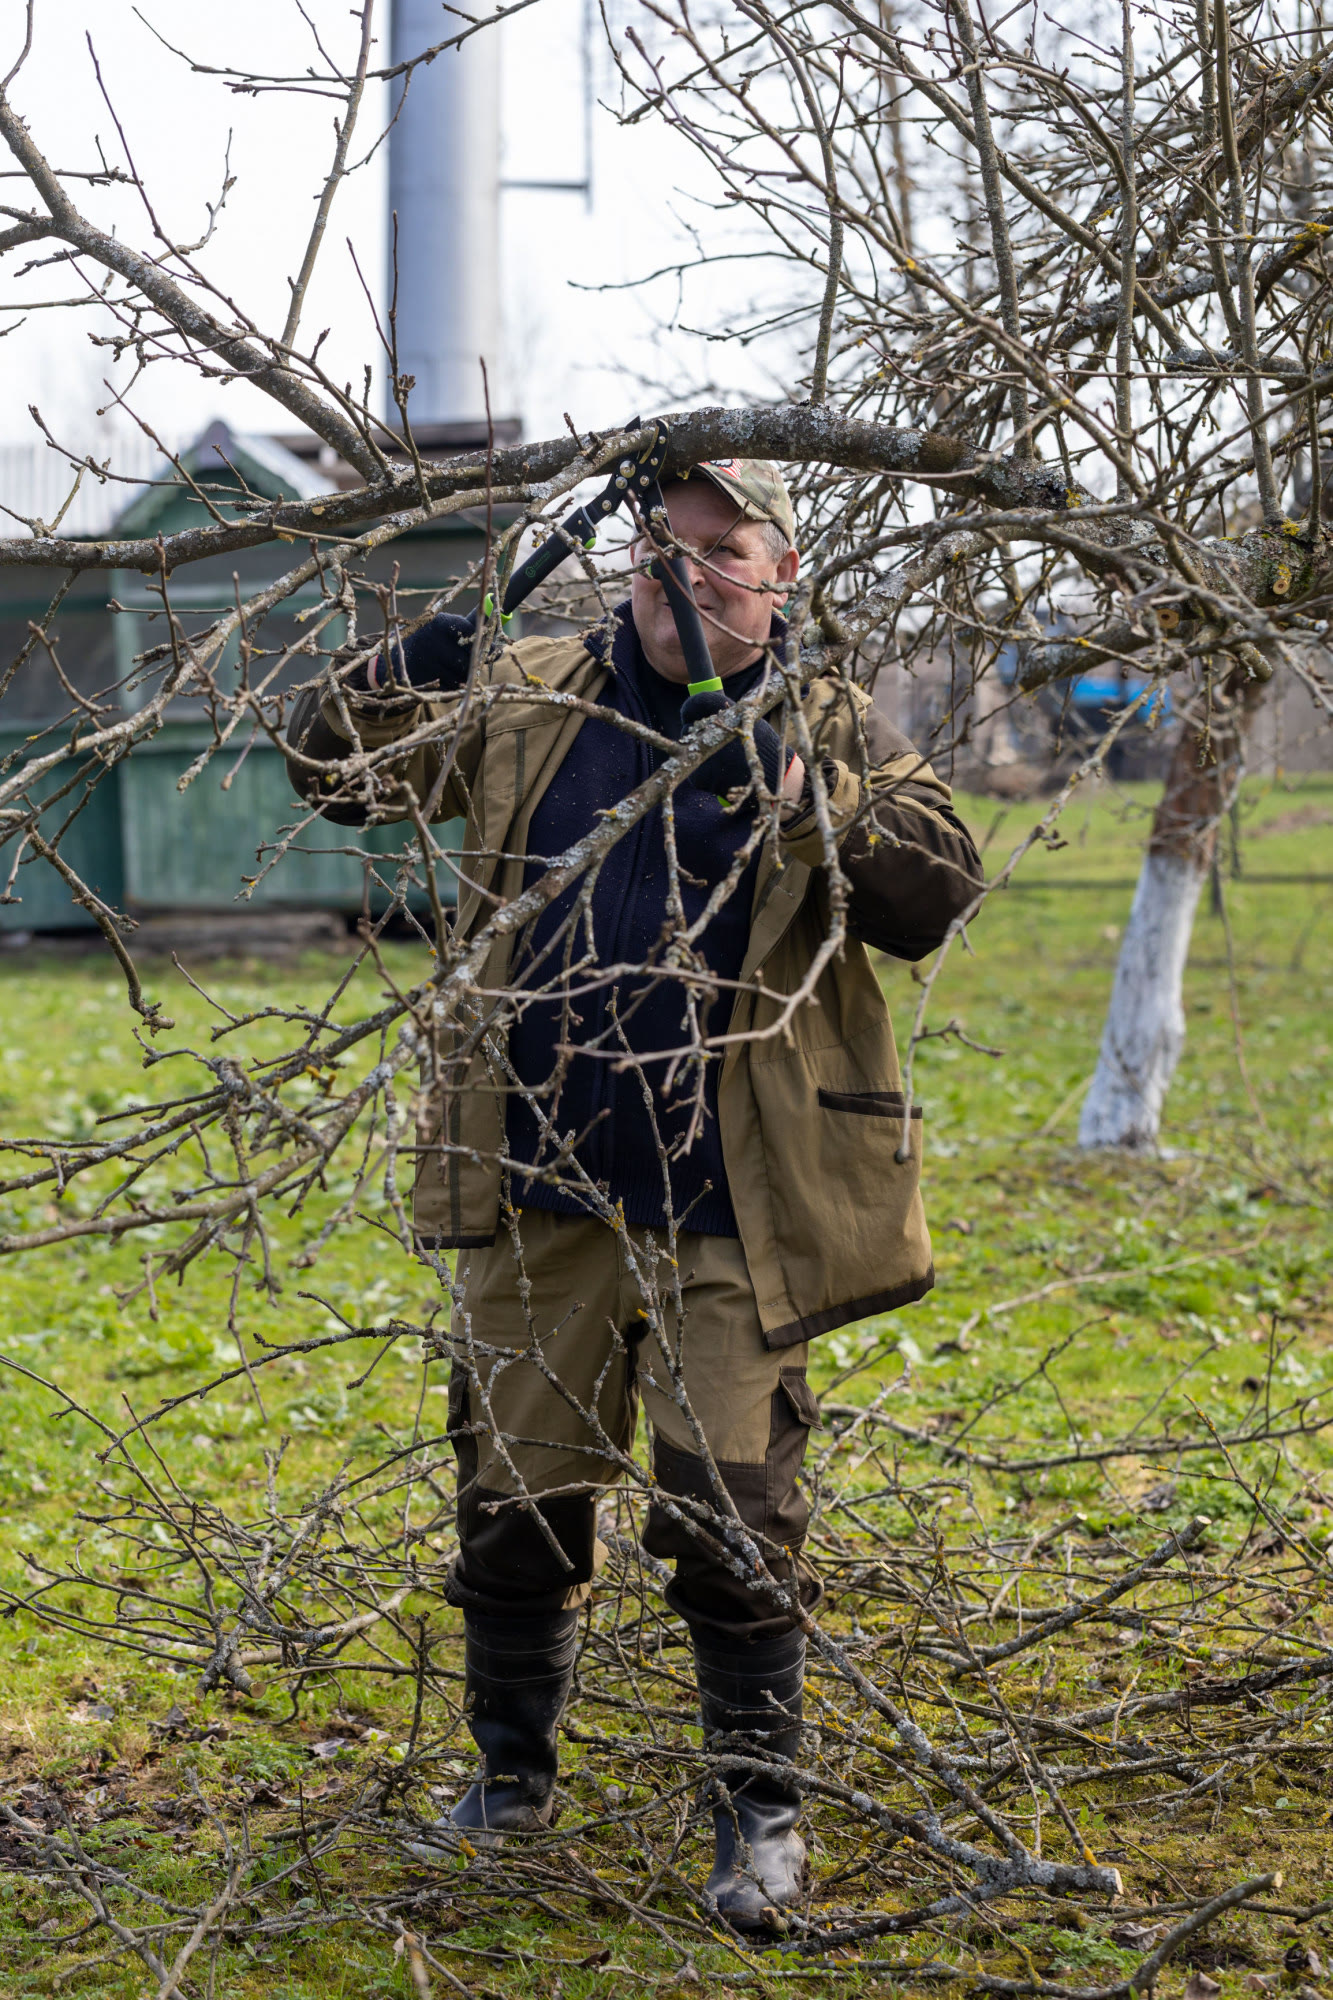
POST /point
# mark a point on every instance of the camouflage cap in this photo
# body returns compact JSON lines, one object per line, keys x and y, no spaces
{"x":756,"y":486}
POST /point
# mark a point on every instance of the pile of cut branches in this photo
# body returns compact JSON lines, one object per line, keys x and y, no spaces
{"x":1003,"y":1727}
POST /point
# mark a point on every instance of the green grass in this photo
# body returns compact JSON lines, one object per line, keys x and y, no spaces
{"x":1187,"y":1268}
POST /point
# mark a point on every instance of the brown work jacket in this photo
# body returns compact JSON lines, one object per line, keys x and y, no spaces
{"x":826,"y":1192}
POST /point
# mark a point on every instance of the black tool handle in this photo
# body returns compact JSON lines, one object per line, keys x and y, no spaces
{"x":638,"y":476}
{"x":579,"y":531}
{"x":444,"y":645}
{"x":671,"y":573}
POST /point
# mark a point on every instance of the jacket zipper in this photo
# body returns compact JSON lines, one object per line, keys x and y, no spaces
{"x":606,"y":1083}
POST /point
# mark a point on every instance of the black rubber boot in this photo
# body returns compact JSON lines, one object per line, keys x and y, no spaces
{"x":518,"y":1674}
{"x":750,"y":1699}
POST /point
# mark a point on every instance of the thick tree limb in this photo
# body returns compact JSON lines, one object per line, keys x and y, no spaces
{"x":795,"y":434}
{"x":24,"y":232}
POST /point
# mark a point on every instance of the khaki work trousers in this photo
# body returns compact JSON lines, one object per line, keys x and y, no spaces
{"x":523,"y":1429}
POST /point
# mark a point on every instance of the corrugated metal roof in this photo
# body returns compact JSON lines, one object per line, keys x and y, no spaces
{"x":35,"y":482}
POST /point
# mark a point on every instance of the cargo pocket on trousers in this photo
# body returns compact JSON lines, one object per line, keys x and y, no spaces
{"x":459,"y":1430}
{"x":795,"y":1412}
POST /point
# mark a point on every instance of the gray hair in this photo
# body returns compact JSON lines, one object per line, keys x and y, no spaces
{"x":775,"y":541}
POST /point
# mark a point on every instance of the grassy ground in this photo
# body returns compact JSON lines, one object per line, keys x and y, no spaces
{"x":1168,"y":1287}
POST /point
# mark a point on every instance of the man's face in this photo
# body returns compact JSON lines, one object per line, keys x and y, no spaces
{"x":736,"y":582}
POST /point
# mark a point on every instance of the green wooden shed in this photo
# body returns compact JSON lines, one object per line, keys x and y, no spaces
{"x":140,"y":841}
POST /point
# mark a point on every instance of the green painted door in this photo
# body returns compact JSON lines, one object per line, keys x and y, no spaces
{"x":91,"y":844}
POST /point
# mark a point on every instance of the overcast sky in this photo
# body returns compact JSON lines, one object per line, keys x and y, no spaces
{"x":563,"y":348}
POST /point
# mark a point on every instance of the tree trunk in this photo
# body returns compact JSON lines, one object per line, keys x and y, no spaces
{"x":993,"y":732}
{"x":1145,"y":1023}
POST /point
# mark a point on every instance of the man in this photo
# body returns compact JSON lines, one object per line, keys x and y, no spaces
{"x":582,"y":1125}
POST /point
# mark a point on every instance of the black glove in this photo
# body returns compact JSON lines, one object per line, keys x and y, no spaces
{"x":729,"y":768}
{"x":437,"y":656}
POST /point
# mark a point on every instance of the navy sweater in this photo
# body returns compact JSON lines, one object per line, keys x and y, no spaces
{"x":591,"y":1097}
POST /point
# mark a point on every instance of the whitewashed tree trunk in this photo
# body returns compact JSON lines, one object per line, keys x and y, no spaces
{"x":1145,"y":1022}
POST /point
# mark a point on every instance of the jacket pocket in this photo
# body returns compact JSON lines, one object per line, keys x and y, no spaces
{"x":842,"y":1170}
{"x":867,"y":1103}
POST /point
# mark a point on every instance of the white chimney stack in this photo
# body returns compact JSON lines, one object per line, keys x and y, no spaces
{"x":444,"y":187}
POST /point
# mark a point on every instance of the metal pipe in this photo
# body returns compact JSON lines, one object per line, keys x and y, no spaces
{"x":444,"y":187}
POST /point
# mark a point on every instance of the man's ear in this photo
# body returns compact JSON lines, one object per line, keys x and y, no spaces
{"x":787,"y":570}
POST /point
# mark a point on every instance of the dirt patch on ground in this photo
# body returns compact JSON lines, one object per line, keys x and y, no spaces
{"x":1296,"y":821}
